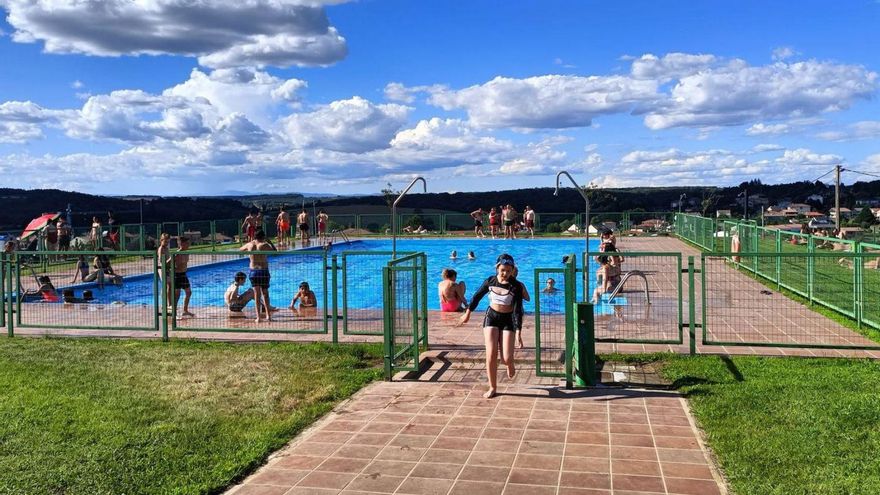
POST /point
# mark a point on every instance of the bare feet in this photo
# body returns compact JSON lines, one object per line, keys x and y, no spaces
{"x":188,"y":313}
{"x":511,"y":370}
{"x":257,"y":320}
{"x":489,"y":393}
{"x":519,"y":341}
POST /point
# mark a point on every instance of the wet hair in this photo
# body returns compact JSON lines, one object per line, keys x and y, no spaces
{"x":449,"y":273}
{"x":240,"y":276}
{"x":183,"y":240}
{"x":602,"y":260}
{"x":260,"y":235}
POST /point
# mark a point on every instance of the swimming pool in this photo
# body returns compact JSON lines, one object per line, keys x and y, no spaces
{"x":209,"y":282}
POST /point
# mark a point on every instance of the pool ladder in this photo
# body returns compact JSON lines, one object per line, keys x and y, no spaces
{"x":626,"y":276}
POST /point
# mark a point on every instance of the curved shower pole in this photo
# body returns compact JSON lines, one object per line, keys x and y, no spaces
{"x":586,"y":227}
{"x":394,"y":213}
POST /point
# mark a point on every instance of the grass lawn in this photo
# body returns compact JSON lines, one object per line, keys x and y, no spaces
{"x":110,"y":416}
{"x":787,"y":425}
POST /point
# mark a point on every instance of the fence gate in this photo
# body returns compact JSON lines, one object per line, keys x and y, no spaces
{"x":405,"y":313}
{"x":554,"y":319}
{"x":362,"y":274}
{"x":647,"y":305}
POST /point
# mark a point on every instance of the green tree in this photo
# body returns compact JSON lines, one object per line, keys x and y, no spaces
{"x":865,"y":218}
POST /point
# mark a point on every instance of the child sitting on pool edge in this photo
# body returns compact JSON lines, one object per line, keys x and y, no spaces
{"x":235,"y":301}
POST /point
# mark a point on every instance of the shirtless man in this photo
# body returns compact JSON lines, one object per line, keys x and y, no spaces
{"x":323,"y":219}
{"x":249,"y":226}
{"x":508,"y":215}
{"x":529,"y":219}
{"x":283,"y":225}
{"x":259,"y":272}
{"x":164,"y":257}
{"x":181,"y":281}
{"x":477,"y":215}
{"x":302,"y":223}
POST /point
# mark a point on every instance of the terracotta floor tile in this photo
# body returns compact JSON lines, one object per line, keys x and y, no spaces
{"x":587,"y":450}
{"x":425,"y":486}
{"x":586,"y":464}
{"x":598,"y":427}
{"x":436,"y":470}
{"x":303,"y":490}
{"x":484,"y":473}
{"x":314,"y":449}
{"x":630,"y":429}
{"x":677,"y":443}
{"x":541,"y":424}
{"x":330,"y":437}
{"x":464,"y":487}
{"x":323,"y":479}
{"x":391,"y":453}
{"x":692,"y":486}
{"x":431,"y":419}
{"x":570,"y":490}
{"x":375,"y":483}
{"x":371,"y":439}
{"x":544,"y":436}
{"x":681,"y":455}
{"x":343,"y":425}
{"x":673,"y":431}
{"x":642,"y":468}
{"x":529,"y":490}
{"x":484,"y":412}
{"x":582,"y":479}
{"x":638,"y":483}
{"x":261,"y":490}
{"x":495,"y":459}
{"x":538,"y":461}
{"x":446,"y":456}
{"x":343,"y":465}
{"x":534,"y":477}
{"x":589,"y":417}
{"x":587,"y":437}
{"x":679,"y":470}
{"x":631,"y":440}
{"x":391,"y":468}
{"x":629,"y":418}
{"x":478,"y":422}
{"x":454,"y":443}
{"x":513,"y":413}
{"x":422,"y":429}
{"x":412,"y":441}
{"x":394,"y":417}
{"x":377,"y":427}
{"x":670,"y":420}
{"x":298,"y":462}
{"x":502,"y":433}
{"x":358,"y":451}
{"x":495,"y":445}
{"x":461,"y":431}
{"x":634,"y":453}
{"x":277,"y":477}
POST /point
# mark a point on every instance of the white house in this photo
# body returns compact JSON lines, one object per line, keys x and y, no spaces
{"x":844,"y":212}
{"x":800,"y":208}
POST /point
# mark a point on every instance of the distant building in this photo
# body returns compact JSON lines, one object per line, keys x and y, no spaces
{"x":723,"y":213}
{"x":871,"y":202}
{"x":876,"y":212}
{"x":800,"y":208}
{"x":844,"y":213}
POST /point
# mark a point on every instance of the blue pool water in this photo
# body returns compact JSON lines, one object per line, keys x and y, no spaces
{"x":209,"y":282}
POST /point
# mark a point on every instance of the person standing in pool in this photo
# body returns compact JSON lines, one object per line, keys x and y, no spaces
{"x":477,"y":215}
{"x":259,"y":272}
{"x":282,"y":223}
{"x":501,"y":320}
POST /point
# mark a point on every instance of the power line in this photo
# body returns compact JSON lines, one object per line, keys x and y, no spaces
{"x":861,"y":173}
{"x":823,"y":175}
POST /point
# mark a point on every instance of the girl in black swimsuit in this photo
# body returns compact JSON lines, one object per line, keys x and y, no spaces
{"x":501,"y":320}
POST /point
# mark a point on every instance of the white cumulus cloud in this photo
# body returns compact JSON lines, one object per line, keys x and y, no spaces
{"x":221,"y":33}
{"x":354,"y":125}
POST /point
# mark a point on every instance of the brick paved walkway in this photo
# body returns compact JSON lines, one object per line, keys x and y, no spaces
{"x":444,"y":438}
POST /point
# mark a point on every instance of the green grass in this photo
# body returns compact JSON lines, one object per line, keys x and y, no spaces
{"x":787,"y":425}
{"x":109,"y":416}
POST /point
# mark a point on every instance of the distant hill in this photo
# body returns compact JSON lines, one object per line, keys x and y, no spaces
{"x":18,"y":206}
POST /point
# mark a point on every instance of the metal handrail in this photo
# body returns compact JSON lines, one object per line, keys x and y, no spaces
{"x":394,"y":213}
{"x":626,"y":277}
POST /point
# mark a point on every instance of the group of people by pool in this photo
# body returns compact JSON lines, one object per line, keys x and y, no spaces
{"x":174,"y":267}
{"x":255,"y":218}
{"x":504,"y":217}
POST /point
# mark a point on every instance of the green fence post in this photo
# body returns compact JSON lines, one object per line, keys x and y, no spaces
{"x":692,"y":306}
{"x":570,"y":296}
{"x":857,"y":283}
{"x":213,"y":235}
{"x":424,"y":299}
{"x":333,"y":276}
{"x":811,"y":267}
{"x":387,"y":318}
{"x":8,"y":307}
{"x":163,"y":310}
{"x":778,"y":259}
{"x":586,"y":346}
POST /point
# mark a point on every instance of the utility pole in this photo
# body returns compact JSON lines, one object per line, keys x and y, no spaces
{"x":837,"y":197}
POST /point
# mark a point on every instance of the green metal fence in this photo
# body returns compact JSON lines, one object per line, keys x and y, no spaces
{"x":554,"y":320}
{"x":405,"y":312}
{"x":647,"y":307}
{"x":696,"y":229}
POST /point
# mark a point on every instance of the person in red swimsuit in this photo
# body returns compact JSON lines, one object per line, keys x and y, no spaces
{"x":494,"y":222}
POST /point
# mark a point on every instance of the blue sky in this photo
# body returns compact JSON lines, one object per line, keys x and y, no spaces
{"x":174,"y":97}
